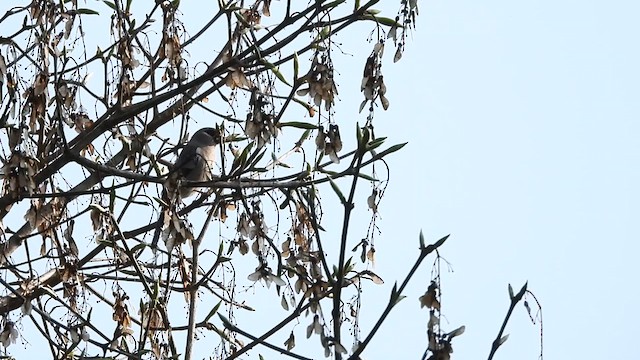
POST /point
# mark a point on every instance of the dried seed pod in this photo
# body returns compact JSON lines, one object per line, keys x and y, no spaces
{"x":321,"y":138}
{"x":334,"y":137}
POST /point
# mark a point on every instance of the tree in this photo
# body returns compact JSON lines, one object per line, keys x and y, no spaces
{"x":93,"y":118}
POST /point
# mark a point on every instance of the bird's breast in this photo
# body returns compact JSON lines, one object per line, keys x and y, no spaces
{"x":208,"y":155}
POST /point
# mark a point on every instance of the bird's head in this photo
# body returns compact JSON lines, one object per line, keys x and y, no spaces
{"x":208,"y":136}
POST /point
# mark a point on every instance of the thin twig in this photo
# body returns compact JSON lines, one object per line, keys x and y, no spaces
{"x":193,"y":292}
{"x":337,"y":287}
{"x":514,"y":301}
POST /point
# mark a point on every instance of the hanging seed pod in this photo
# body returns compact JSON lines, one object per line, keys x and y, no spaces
{"x":321,"y":139}
{"x":334,"y":137}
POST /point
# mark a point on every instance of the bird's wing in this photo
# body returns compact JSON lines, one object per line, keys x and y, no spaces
{"x":206,"y":159}
{"x":187,"y":161}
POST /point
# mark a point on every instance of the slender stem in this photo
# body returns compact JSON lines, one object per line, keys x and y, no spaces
{"x":514,"y":301}
{"x":193,"y":292}
{"x":131,"y":255}
{"x":316,"y":232}
{"x":337,"y":287}
{"x":192,"y":302}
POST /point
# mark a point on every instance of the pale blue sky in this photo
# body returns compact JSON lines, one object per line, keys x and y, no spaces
{"x":521,"y":119}
{"x":526,"y":116}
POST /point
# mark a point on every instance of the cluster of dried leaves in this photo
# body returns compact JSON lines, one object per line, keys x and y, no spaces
{"x":95,"y":151}
{"x":439,"y":343}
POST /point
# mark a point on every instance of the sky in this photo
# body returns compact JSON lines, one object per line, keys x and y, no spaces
{"x":525,"y":118}
{"x":522,"y":131}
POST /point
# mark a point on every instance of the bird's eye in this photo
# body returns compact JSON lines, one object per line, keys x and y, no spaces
{"x":214,"y":133}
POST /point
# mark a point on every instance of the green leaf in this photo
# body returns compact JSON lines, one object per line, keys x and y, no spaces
{"x":367,"y":177}
{"x":156,"y":290}
{"x":431,"y":247}
{"x":275,"y":70}
{"x":255,"y":157}
{"x":519,"y":296}
{"x":364,"y":140}
{"x":334,"y":4}
{"x":325,"y":32}
{"x":105,"y":242}
{"x":87,"y":12}
{"x":296,"y":66}
{"x":140,"y":246}
{"x":226,"y":322}
{"x":337,"y":190}
{"x":387,"y":21}
{"x":375,"y":143}
{"x":329,"y":172}
{"x":347,"y":266}
{"x":400,"y":298}
{"x":298,"y":125}
{"x":390,"y":150}
{"x":382,"y":20}
{"x":394,"y":291}
{"x":110,"y":4}
{"x":319,"y":160}
{"x":304,"y":137}
{"x":305,"y":105}
{"x":129,"y":272}
{"x":242,"y":159}
{"x":235,"y":137}
{"x":285,"y":203}
{"x":175,"y":4}
{"x":213,"y":311}
{"x":160,"y":201}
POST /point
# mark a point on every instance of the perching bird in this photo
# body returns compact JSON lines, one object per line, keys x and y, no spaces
{"x":197,"y":158}
{"x":195,"y":163}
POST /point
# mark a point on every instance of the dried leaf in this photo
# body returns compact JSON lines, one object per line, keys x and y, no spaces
{"x":96,"y":218}
{"x":285,"y":304}
{"x":398,"y":55}
{"x":291,"y":342}
{"x":457,"y":332}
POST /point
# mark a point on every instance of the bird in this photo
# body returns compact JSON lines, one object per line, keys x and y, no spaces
{"x":196,"y":160}
{"x":195,"y":163}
